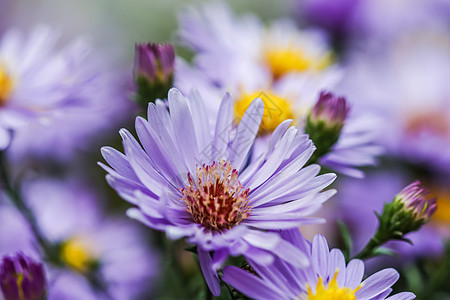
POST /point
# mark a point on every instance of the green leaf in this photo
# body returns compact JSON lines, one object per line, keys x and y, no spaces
{"x":347,"y":239}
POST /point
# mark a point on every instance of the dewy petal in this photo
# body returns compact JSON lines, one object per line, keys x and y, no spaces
{"x":246,"y":132}
{"x":207,"y":266}
{"x":377,"y":283}
{"x":249,"y":284}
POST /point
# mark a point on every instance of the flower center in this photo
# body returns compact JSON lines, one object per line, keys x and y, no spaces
{"x":442,"y":214}
{"x":276,"y":109}
{"x":283,"y":60}
{"x":332,"y":291}
{"x":76,"y":255}
{"x":435,"y":122}
{"x":215,"y":198}
{"x":6,"y":84}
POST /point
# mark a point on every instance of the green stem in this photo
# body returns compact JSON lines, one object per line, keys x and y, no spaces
{"x":16,"y":199}
{"x":369,"y":249}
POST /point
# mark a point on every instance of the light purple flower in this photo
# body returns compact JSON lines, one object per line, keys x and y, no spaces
{"x":54,"y":94}
{"x":327,"y":276}
{"x":256,"y":61}
{"x":192,"y":181}
{"x":68,"y":213}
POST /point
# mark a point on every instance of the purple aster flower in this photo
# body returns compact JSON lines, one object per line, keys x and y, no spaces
{"x":280,"y":65}
{"x":327,"y":277}
{"x":195,"y":182}
{"x":56,"y":94}
{"x":113,"y":247}
{"x":239,"y":45}
{"x":22,"y":278}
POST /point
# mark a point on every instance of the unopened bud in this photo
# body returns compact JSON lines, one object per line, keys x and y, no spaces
{"x":325,"y":121}
{"x":153,"y":71}
{"x":411,"y":209}
{"x":22,"y":278}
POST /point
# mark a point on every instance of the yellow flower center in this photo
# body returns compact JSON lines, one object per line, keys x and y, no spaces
{"x":332,"y":291}
{"x":293,"y":59}
{"x":276,"y":110}
{"x":76,"y":255}
{"x":442,"y":214}
{"x":6,"y":84}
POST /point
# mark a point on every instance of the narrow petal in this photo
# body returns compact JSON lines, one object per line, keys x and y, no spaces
{"x":377,"y":283}
{"x":207,"y":266}
{"x":249,"y":284}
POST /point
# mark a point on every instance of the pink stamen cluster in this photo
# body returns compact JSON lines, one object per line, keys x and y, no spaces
{"x":215,"y":198}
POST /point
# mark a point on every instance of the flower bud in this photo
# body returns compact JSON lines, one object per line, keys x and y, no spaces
{"x":411,"y":209}
{"x":414,"y":199}
{"x":325,"y":121}
{"x":21,"y":278}
{"x":153,"y":71}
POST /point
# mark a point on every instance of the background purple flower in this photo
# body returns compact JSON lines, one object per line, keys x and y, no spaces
{"x":327,"y":277}
{"x":68,"y":213}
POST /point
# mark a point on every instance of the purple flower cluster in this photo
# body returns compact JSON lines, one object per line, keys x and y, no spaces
{"x":237,"y":127}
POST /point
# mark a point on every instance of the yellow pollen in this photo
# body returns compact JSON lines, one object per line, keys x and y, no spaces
{"x":293,"y":59}
{"x":442,"y":215}
{"x":276,"y":110}
{"x":6,"y":84}
{"x":332,"y":291}
{"x":215,"y":198}
{"x":76,"y":255}
{"x":19,"y":281}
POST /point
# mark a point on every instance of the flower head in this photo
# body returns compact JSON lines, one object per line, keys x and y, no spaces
{"x":327,"y":277}
{"x":191,"y":181}
{"x":54,"y":93}
{"x":21,"y":278}
{"x":108,"y":251}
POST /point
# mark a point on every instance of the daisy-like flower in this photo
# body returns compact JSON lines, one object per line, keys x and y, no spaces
{"x":327,"y":277}
{"x":285,"y":67}
{"x":56,"y":94}
{"x":111,"y":250}
{"x":193,"y":182}
{"x":233,"y":44}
